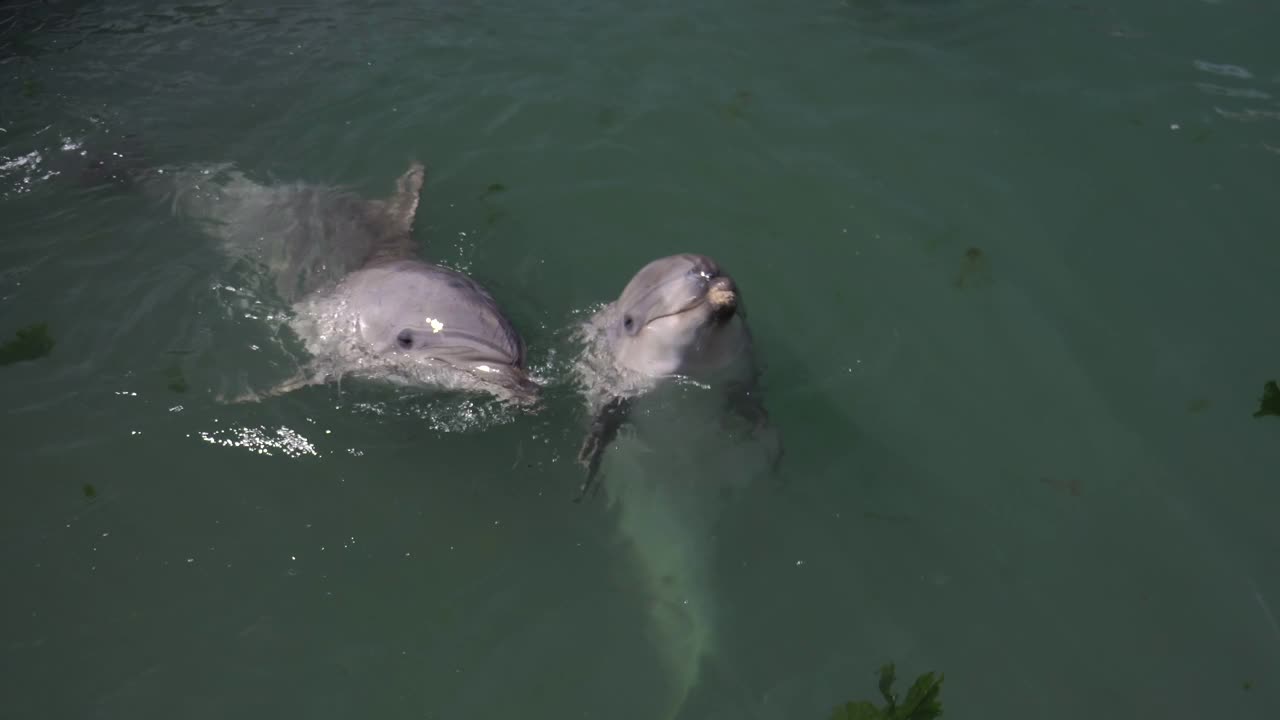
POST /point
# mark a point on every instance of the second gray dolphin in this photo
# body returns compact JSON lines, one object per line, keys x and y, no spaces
{"x":679,"y":322}
{"x":679,"y":316}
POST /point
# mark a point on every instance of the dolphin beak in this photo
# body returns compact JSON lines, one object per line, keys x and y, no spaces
{"x":521,"y":389}
{"x":527,"y":392}
{"x":723,"y":297}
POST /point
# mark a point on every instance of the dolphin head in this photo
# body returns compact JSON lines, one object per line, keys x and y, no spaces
{"x":678,"y":315}
{"x":434,"y":326}
{"x":497,"y":362}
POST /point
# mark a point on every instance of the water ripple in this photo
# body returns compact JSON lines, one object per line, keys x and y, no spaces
{"x":1223,"y":69}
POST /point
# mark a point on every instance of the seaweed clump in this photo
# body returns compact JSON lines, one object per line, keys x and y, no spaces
{"x":28,"y":343}
{"x":1269,"y":403}
{"x":494,"y":214}
{"x":921,"y":702}
{"x":736,"y":108}
{"x":974,"y":272}
{"x":177,"y":380}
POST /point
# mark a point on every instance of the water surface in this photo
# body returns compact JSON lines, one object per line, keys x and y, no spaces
{"x":1011,"y":267}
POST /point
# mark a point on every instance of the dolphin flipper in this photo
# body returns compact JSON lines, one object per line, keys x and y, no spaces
{"x":604,"y":428}
{"x":743,"y":400}
{"x":298,"y":380}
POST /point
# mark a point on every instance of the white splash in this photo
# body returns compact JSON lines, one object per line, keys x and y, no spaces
{"x":27,"y":171}
{"x":259,"y":440}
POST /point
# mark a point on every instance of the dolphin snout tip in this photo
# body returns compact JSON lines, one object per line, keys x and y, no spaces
{"x":511,"y":383}
{"x":723,"y":296}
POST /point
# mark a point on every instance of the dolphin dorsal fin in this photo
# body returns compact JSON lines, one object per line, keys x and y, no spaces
{"x":398,"y":212}
{"x":403,"y":204}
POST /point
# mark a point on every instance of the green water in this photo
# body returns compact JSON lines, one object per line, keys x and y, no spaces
{"x":1011,"y":267}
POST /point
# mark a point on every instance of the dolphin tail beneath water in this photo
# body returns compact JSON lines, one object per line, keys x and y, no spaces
{"x":682,"y":635}
{"x":685,"y":637}
{"x":672,"y":545}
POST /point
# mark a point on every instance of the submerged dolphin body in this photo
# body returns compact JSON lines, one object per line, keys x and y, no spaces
{"x":362,"y":303}
{"x":669,"y":357}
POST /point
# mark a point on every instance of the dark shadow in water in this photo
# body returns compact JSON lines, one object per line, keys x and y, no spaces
{"x":28,"y":343}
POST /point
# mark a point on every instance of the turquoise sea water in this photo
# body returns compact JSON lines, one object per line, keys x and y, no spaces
{"x":1011,"y":268}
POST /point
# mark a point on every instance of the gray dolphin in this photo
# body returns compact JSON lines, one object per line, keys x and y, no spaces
{"x":679,"y":321}
{"x":362,"y":303}
{"x":679,"y":317}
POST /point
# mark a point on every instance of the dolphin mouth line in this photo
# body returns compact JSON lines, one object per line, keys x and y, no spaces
{"x":507,"y":376}
{"x":718,"y":312}
{"x":691,"y":306}
{"x":495,"y":355}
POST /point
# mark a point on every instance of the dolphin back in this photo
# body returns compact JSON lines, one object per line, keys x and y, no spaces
{"x":304,"y":237}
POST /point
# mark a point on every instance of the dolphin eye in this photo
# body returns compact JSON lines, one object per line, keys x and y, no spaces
{"x":628,"y":323}
{"x":405,"y":339}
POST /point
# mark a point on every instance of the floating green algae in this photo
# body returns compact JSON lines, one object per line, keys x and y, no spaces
{"x":1269,"y":403}
{"x":921,"y":702}
{"x":28,"y":343}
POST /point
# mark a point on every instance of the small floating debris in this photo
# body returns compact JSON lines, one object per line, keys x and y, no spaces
{"x":177,"y":381}
{"x":1071,"y":487}
{"x":1198,"y":405}
{"x":974,"y":271}
{"x":737,"y":107}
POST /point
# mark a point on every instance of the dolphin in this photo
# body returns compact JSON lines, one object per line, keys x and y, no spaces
{"x":669,"y":356}
{"x":363,"y":304}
